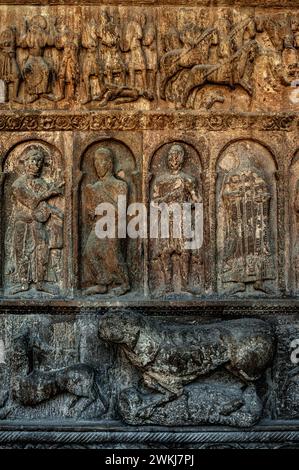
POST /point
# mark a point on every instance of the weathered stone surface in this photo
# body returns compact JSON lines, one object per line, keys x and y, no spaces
{"x":155,"y":102}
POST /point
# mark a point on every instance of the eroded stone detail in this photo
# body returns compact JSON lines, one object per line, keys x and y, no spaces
{"x":245,"y":222}
{"x":104,"y":264}
{"x":32,"y":385}
{"x":109,"y":177}
{"x":34,"y":220}
{"x":171,"y":358}
{"x":223,"y":58}
{"x":175,"y":180}
{"x":153,"y":102}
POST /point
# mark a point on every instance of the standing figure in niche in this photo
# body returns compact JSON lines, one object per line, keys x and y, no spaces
{"x":9,"y":69}
{"x":104,"y":267}
{"x":247,"y":255}
{"x":174,"y":186}
{"x":36,"y":71}
{"x":29,"y":231}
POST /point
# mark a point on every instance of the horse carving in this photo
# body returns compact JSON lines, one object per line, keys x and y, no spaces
{"x":231,"y":64}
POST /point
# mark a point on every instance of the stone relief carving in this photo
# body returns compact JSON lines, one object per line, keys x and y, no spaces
{"x":152,"y":103}
{"x":148,"y":376}
{"x":9,"y":68}
{"x":104,"y":261}
{"x":35,"y":70}
{"x":175,"y":179}
{"x":34,"y":216}
{"x":43,"y":377}
{"x":66,"y":62}
{"x":31,"y":385}
{"x":114,"y":56}
{"x":227,"y":54}
{"x":246,"y":219}
{"x":109,"y":178}
{"x":177,"y":366}
{"x":127,"y":121}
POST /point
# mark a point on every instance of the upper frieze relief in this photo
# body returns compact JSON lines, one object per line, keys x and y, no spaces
{"x":207,"y":59}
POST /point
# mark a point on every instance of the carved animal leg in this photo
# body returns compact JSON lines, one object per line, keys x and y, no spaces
{"x":87,"y":404}
{"x":94,"y":290}
{"x":238,"y":287}
{"x":18,"y":288}
{"x":231,"y":407}
{"x":259,"y":285}
{"x":186,"y":93}
{"x":152,"y":384}
{"x":74,"y":401}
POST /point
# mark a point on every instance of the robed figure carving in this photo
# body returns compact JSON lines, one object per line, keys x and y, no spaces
{"x":247,"y":255}
{"x":34,"y":236}
{"x":104,"y":270}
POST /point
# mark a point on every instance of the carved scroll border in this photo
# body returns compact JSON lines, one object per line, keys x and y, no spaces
{"x":120,"y":120}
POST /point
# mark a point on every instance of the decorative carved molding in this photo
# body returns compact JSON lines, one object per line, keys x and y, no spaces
{"x":122,"y":120}
{"x":275,"y":438}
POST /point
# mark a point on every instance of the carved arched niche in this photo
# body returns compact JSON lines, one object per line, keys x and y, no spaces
{"x":246,"y":205}
{"x":33,"y":220}
{"x":108,"y":266}
{"x":176,"y":268}
{"x":294,"y":222}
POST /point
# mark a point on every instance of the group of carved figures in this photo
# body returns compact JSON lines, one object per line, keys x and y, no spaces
{"x":111,"y":60}
{"x":225,"y":54}
{"x":34,"y":236}
{"x":105,"y":62}
{"x":183,"y":375}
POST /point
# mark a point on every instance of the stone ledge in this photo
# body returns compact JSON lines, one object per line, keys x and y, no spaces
{"x":156,"y":307}
{"x":210,"y":3}
{"x":93,"y":120}
{"x":86,"y":433}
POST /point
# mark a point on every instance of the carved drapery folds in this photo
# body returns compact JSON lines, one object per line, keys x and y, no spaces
{"x":246,"y":210}
{"x":175,"y":179}
{"x":33,"y":216}
{"x":238,"y":224}
{"x":109,"y":176}
{"x":107,"y":56}
{"x":117,"y":119}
